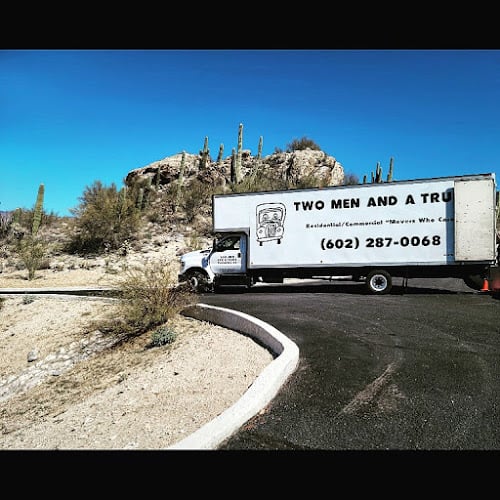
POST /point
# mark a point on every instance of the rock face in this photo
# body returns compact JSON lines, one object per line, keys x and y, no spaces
{"x":289,"y":168}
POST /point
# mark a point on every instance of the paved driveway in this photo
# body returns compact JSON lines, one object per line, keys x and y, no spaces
{"x":418,"y":369}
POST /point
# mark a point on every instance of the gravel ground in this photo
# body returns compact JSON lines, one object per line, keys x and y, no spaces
{"x":62,"y":386}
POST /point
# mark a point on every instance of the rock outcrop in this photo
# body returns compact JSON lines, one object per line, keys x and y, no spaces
{"x":289,"y":167}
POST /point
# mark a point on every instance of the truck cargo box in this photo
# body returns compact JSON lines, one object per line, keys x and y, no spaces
{"x":432,"y":221}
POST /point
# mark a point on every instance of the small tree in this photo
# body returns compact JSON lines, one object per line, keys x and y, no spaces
{"x":105,"y":218}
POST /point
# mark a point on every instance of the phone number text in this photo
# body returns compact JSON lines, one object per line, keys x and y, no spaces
{"x":380,"y":242}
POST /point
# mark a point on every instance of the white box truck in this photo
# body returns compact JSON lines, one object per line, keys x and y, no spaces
{"x":436,"y":227}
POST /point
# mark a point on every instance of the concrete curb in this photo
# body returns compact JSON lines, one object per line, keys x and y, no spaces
{"x":56,"y":290}
{"x":263,"y":389}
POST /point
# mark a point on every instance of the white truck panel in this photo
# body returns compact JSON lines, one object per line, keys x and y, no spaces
{"x":400,"y":223}
{"x":475,"y":220}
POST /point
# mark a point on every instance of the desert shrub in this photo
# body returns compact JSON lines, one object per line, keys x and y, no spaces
{"x":162,"y":336}
{"x":260,"y":182}
{"x":309,"y":181}
{"x":195,"y":196}
{"x":350,"y":179}
{"x":149,"y":296}
{"x":104,"y":219}
{"x":28,"y":299}
{"x":2,"y":300}
{"x":301,"y":144}
{"x":32,"y":251}
{"x":5,"y":224}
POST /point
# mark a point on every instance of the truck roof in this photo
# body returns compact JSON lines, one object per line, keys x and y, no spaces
{"x":370,"y":184}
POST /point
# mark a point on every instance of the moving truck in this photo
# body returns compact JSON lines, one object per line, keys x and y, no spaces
{"x":435,"y":227}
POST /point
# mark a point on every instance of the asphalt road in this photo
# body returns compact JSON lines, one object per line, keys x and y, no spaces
{"x":418,"y":369}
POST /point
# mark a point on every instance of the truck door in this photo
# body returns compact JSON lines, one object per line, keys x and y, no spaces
{"x":229,"y":255}
{"x":475,"y":220}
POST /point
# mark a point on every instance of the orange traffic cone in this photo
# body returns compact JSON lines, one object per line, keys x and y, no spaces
{"x":486,"y":287}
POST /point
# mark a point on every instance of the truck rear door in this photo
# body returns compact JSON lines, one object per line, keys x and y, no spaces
{"x":475,"y":220}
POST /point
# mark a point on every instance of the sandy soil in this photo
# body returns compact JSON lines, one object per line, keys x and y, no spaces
{"x":62,"y":386}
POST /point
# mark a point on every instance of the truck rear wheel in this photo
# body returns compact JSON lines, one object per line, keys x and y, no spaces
{"x":198,"y":281}
{"x":474,"y":281}
{"x":378,"y":282}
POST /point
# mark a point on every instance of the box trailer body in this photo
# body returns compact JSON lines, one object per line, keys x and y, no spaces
{"x":437,"y":227}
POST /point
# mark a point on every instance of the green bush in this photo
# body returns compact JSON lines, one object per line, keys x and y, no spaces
{"x":162,"y":336}
{"x":195,"y":196}
{"x":301,"y":144}
{"x":104,"y":219}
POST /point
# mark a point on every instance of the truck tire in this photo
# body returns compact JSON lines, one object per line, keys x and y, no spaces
{"x":474,"y":281}
{"x":378,"y":282}
{"x":198,"y":281}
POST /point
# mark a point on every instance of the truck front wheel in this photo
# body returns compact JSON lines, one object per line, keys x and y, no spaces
{"x":378,"y":282}
{"x":198,"y":281}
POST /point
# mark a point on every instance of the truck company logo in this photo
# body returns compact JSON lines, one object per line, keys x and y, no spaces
{"x":270,"y":222}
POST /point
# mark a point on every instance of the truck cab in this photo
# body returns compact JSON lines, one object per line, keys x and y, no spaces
{"x":223,"y":263}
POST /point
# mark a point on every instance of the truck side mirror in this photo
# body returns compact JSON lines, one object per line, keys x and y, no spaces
{"x":214,"y":244}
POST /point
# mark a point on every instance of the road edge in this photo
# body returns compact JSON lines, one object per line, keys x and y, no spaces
{"x":265,"y":386}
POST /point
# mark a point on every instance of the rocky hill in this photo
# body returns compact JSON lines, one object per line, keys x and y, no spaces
{"x":289,"y":168}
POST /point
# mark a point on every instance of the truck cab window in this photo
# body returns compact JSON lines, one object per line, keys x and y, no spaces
{"x":229,"y":244}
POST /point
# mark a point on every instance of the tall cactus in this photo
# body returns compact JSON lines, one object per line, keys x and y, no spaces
{"x":16,"y":217}
{"x":180,"y":181}
{"x":259,"y":149}
{"x":204,"y":155}
{"x":221,"y":152}
{"x":140,"y":199}
{"x":233,"y":166}
{"x":378,"y":173}
{"x":237,"y":166}
{"x":37,"y":212}
{"x":158,"y":177}
{"x":31,"y":248}
{"x":391,"y":170}
{"x":122,"y":205}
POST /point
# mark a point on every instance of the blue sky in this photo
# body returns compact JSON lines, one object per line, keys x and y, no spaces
{"x":70,"y":117}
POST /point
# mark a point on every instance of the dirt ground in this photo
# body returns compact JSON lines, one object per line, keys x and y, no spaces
{"x":63,"y":386}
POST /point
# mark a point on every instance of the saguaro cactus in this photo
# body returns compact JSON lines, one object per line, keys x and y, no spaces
{"x":37,"y":212}
{"x":140,"y":199}
{"x":259,"y":149}
{"x":221,"y":152}
{"x":233,"y":166}
{"x":204,"y":155}
{"x":391,"y":170}
{"x":180,"y":181}
{"x":32,"y":248}
{"x":378,"y":173}
{"x":158,"y":178}
{"x":237,"y":166}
